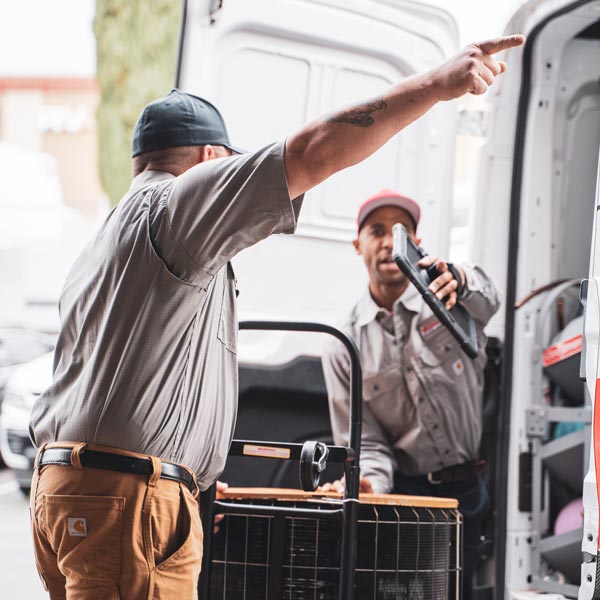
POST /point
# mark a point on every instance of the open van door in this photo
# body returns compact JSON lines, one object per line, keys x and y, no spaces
{"x":590,"y":294}
{"x":535,"y":213}
{"x":272,"y":65}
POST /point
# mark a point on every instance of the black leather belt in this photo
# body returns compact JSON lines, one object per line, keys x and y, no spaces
{"x":117,"y":462}
{"x":462,"y":472}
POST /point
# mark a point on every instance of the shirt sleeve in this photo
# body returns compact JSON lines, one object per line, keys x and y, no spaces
{"x":219,"y":207}
{"x":377,"y":462}
{"x":480,"y":296}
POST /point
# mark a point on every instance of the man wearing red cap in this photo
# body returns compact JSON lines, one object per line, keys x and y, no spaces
{"x":421,"y":394}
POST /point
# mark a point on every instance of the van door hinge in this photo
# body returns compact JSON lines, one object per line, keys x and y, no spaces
{"x":213,"y":9}
{"x":537,"y":424}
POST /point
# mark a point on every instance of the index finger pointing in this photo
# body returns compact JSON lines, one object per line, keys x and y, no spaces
{"x":502,"y":43}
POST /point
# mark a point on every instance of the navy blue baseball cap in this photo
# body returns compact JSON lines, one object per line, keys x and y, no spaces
{"x":179,"y":119}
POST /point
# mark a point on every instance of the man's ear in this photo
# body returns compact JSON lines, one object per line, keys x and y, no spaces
{"x":356,"y":246}
{"x":207,"y":152}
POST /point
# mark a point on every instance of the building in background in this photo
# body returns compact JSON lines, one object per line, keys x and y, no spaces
{"x":51,"y":197}
{"x":57,"y":116}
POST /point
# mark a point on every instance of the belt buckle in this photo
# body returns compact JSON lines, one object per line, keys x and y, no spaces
{"x":431,"y":480}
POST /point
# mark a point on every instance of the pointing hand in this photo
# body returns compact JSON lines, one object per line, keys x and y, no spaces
{"x":473,"y":69}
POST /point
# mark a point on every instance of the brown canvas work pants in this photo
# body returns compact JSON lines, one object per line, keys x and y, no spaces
{"x":106,"y":535}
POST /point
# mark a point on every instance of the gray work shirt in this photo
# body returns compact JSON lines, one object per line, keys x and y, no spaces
{"x":421,"y":394}
{"x":146,"y":357}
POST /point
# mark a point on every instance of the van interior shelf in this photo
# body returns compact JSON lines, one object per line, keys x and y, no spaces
{"x":553,"y":587}
{"x":564,"y":458}
{"x":563,"y":552}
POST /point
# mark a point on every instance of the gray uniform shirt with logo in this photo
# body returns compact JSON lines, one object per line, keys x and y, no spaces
{"x":146,"y":357}
{"x":421,"y":394}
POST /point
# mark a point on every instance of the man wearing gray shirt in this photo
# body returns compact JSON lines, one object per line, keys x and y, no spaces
{"x":421,"y":394}
{"x":142,"y":405}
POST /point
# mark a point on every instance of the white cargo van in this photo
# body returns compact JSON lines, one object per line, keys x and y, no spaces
{"x":271,"y":65}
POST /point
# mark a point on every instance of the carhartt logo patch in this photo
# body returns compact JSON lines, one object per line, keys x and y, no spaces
{"x":77,"y":526}
{"x":458,"y":367}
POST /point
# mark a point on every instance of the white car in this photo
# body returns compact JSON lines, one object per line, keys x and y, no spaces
{"x":18,"y":346}
{"x":23,"y":386}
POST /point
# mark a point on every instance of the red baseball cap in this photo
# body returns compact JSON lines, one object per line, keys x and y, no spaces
{"x":388,"y":198}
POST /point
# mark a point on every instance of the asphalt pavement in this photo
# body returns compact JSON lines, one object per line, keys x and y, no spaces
{"x":18,"y":574}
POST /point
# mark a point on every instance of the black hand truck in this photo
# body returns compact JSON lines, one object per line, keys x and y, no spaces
{"x":313,"y":458}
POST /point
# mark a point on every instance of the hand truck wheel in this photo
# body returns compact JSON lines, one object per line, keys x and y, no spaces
{"x":313,"y":461}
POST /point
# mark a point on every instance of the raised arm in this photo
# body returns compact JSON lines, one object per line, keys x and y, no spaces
{"x":339,"y":140}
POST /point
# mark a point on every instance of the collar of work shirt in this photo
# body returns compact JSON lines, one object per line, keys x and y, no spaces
{"x":396,"y":323}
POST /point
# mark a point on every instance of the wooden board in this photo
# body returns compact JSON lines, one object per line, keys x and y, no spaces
{"x":298,"y":495}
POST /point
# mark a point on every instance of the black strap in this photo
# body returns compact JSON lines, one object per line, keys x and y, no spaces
{"x":461,"y":472}
{"x":456,"y":274}
{"x":117,"y":462}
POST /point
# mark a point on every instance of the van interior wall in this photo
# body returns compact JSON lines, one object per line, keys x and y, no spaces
{"x":576,"y":142}
{"x":561,"y":154}
{"x":560,"y":164}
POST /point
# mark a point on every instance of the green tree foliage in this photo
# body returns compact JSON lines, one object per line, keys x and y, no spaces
{"x":136,"y":52}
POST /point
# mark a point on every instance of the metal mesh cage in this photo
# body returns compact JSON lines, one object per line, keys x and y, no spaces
{"x":403,"y":552}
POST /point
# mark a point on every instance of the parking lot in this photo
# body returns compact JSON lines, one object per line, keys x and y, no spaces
{"x":19,"y":577}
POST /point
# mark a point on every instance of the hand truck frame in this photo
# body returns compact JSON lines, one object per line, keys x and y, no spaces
{"x":313,"y":457}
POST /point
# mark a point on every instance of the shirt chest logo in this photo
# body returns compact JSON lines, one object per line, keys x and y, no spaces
{"x":458,"y":367}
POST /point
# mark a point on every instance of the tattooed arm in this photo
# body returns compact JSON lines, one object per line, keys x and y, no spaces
{"x":334,"y":142}
{"x":361,"y":116}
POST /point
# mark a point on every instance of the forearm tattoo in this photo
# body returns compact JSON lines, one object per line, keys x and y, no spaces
{"x":361,"y":116}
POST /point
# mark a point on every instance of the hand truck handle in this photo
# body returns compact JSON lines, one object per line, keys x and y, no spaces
{"x":352,"y":470}
{"x":351,"y":467}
